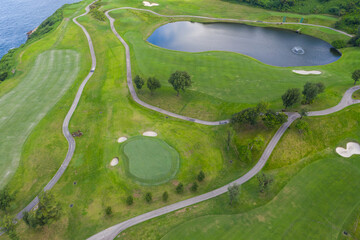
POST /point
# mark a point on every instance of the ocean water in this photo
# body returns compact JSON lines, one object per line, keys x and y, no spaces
{"x":17,"y":17}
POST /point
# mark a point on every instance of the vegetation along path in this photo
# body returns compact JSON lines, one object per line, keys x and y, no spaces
{"x":113,"y":231}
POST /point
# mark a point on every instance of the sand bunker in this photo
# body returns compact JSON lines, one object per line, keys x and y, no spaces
{"x":114,"y":162}
{"x":122,"y":139}
{"x":148,"y":4}
{"x":351,"y":149}
{"x":303,"y":72}
{"x":150,"y":134}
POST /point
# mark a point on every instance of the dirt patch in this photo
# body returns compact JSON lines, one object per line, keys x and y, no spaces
{"x":180,"y":211}
{"x":175,"y":182}
{"x":77,"y":134}
{"x":260,"y":218}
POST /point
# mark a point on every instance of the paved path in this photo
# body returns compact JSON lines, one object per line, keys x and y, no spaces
{"x":113,"y":231}
{"x":65,"y":126}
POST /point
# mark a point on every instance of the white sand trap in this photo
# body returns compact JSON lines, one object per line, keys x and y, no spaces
{"x":150,"y":134}
{"x":114,"y":162}
{"x":351,"y":149}
{"x":122,"y":139}
{"x":303,"y":72}
{"x":148,"y":4}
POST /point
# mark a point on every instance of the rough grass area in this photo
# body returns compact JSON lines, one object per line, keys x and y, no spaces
{"x":314,"y":204}
{"x":149,"y":160}
{"x":22,"y":108}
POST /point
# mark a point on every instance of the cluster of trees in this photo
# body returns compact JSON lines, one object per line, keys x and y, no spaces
{"x":180,"y":80}
{"x":252,"y":116}
{"x":7,"y":63}
{"x":96,"y":13}
{"x":7,"y":223}
{"x":49,"y":210}
{"x":165,"y":196}
{"x":348,"y":10}
{"x":264,"y":181}
{"x":49,"y":24}
{"x":293,"y":96}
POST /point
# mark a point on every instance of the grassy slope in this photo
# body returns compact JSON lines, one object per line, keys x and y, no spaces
{"x":293,"y":153}
{"x":224,"y":83}
{"x":105,"y":113}
{"x":23,"y":107}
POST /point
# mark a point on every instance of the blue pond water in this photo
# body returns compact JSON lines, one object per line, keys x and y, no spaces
{"x":17,"y":17}
{"x":272,"y":46}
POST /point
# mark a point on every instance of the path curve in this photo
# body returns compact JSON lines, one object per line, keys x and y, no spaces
{"x":65,"y":126}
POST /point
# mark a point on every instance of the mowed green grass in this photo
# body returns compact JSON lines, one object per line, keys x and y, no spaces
{"x":149,"y":160}
{"x":313,"y":205}
{"x":24,"y":106}
{"x":224,"y":82}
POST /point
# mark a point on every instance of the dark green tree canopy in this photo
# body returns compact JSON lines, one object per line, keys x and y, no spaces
{"x":6,"y":198}
{"x":139,"y":82}
{"x":180,"y":80}
{"x":153,"y":84}
{"x":272,"y":119}
{"x":356,"y":76}
{"x":291,"y":97}
{"x":311,"y":90}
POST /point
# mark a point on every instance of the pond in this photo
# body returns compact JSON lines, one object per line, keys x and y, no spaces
{"x":273,"y":46}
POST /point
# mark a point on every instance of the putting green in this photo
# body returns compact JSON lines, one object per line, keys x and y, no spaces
{"x":149,"y":161}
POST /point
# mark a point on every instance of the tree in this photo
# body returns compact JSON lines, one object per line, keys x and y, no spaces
{"x":290,"y":97}
{"x":108,"y":211}
{"x":302,"y":126}
{"x":148,"y":197}
{"x":194,"y":187}
{"x":130,"y":200}
{"x":264,"y":181}
{"x":153,"y":84}
{"x":311,"y":90}
{"x":246,"y":116}
{"x":3,"y":76}
{"x":5,"y":198}
{"x":233,"y":192}
{"x":180,"y":80}
{"x":8,"y":225}
{"x":256,"y":143}
{"x":303,"y":112}
{"x":356,"y":76}
{"x":338,"y":44}
{"x":272,"y":119}
{"x":180,"y":188}
{"x":48,"y":210}
{"x":201,"y":176}
{"x":139,"y":82}
{"x":165,"y":196}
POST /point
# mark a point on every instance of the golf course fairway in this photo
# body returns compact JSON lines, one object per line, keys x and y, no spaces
{"x":313,"y":205}
{"x":150,"y":161}
{"x":23,"y":107}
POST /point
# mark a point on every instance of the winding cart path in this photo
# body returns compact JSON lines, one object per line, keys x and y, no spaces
{"x":112,"y":232}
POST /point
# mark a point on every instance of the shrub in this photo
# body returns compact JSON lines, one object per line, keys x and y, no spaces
{"x":180,"y":188}
{"x":338,"y":44}
{"x":194,"y":187}
{"x":201,"y":176}
{"x":148,"y":197}
{"x":165,"y":196}
{"x":108,"y":211}
{"x":129,"y":200}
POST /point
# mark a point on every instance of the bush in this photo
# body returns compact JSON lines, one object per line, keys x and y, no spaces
{"x":108,"y":211}
{"x":194,"y":187}
{"x":201,"y":176}
{"x":180,"y":188}
{"x":165,"y":196}
{"x":338,"y":44}
{"x":129,"y":200}
{"x":5,"y":198}
{"x":148,"y":197}
{"x":302,"y":126}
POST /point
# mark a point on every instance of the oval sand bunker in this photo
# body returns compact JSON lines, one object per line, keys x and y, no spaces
{"x":114,"y":162}
{"x":122,"y":139}
{"x":150,"y":134}
{"x":351,"y":149}
{"x":303,"y":72}
{"x":149,"y":161}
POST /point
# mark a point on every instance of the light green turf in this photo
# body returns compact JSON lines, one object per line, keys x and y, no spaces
{"x":149,"y":160}
{"x":313,"y":205}
{"x":23,"y":107}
